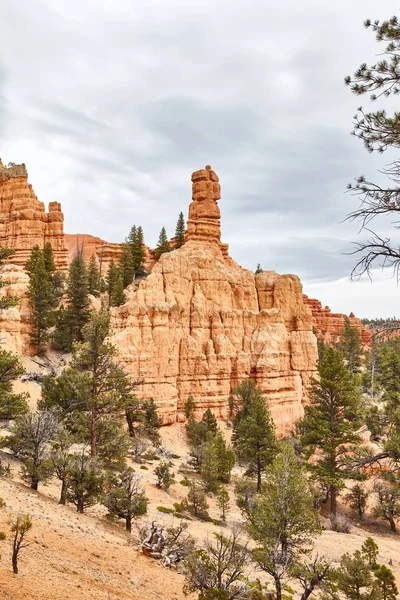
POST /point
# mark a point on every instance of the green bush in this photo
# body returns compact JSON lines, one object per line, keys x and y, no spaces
{"x":164,"y":509}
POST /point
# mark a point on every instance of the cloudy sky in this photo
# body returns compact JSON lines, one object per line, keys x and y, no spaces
{"x":113,"y":103}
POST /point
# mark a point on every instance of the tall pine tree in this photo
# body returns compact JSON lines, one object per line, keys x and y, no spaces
{"x":93,"y":277}
{"x":163,"y":244}
{"x":41,"y":295}
{"x":180,"y":231}
{"x":138,"y":252}
{"x":331,"y":421}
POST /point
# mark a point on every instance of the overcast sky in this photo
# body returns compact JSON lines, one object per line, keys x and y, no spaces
{"x":113,"y":103}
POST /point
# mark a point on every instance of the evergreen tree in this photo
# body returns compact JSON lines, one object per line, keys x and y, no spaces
{"x":379,"y":132}
{"x":61,"y":458}
{"x":164,"y":475}
{"x":218,"y":462}
{"x":223,"y":502}
{"x":163,"y":244}
{"x":138,"y":252}
{"x":357,"y":499}
{"x":111,"y":279}
{"x":254,"y":433}
{"x":85,"y":481}
{"x":125,"y":499}
{"x":196,"y":501}
{"x":41,"y":295}
{"x":94,"y":393}
{"x":6,"y":301}
{"x":210,"y":422}
{"x":281,"y":519}
{"x":126,"y":265}
{"x":11,"y":405}
{"x":20,"y":525}
{"x":189,"y":407}
{"x":385,"y":583}
{"x":30,"y":440}
{"x":331,"y":421}
{"x":354,"y":577}
{"x":151,"y":421}
{"x":388,"y":494}
{"x":118,"y":297}
{"x":48,"y":256}
{"x":132,"y":235}
{"x":350,"y":346}
{"x":369,"y":550}
{"x":93,"y":277}
{"x":70,"y":324}
{"x":180,"y":231}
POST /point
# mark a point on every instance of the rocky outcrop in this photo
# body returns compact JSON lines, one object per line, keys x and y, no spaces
{"x":199,"y":324}
{"x":330,"y":326}
{"x":14,"y":321}
{"x":24,"y":221}
{"x":104,"y":251}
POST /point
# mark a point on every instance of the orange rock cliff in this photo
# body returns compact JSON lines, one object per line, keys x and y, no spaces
{"x":330,"y":326}
{"x":24,"y":221}
{"x":200,"y":323}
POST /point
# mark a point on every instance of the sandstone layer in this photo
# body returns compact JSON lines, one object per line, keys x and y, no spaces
{"x":199,"y":324}
{"x":330,"y":326}
{"x":24,"y":221}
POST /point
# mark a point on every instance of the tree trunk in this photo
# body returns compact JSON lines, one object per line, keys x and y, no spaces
{"x":128,"y":524}
{"x":392,"y":525}
{"x":79,"y":505}
{"x":333,"y":502}
{"x":15,"y":562}
{"x":278,"y":587}
{"x":129,"y":420}
{"x":34,"y":483}
{"x":63,"y":495}
{"x":258,"y":473}
{"x":93,"y":446}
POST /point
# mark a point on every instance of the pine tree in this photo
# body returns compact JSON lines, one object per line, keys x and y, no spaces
{"x":125,"y":499}
{"x":254,"y":433}
{"x":85,"y":481}
{"x":223,"y":502}
{"x":357,"y":499}
{"x":11,"y":405}
{"x":138,"y":252}
{"x":189,"y":406}
{"x":281,"y":519}
{"x":210,"y":422}
{"x":94,"y":393}
{"x":196,"y":501}
{"x":48,"y":256}
{"x":78,"y":305}
{"x":354,"y":577}
{"x":93,"y":277}
{"x":385,"y":583}
{"x":20,"y":525}
{"x":126,"y":265}
{"x":350,"y":346}
{"x":379,"y":132}
{"x":369,"y":550}
{"x":41,"y":295}
{"x":151,"y":421}
{"x":163,"y":244}
{"x":218,"y":462}
{"x":164,"y":475}
{"x":6,"y":301}
{"x":118,"y":297}
{"x":331,"y":421}
{"x":388,"y":494}
{"x":180,"y":231}
{"x":111,"y":279}
{"x":30,"y":440}
{"x":61,"y":458}
{"x":132,"y":235}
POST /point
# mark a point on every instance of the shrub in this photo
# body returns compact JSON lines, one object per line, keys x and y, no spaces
{"x":341,"y":524}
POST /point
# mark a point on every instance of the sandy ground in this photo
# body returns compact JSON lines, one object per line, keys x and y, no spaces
{"x":82,"y":557}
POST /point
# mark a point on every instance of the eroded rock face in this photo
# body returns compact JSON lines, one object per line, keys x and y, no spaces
{"x":24,"y":221}
{"x":199,"y":324}
{"x":14,"y":321}
{"x":330,"y":326}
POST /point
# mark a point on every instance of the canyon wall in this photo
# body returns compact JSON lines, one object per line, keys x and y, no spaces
{"x":24,"y":221}
{"x":199,"y":324}
{"x":330,"y":326}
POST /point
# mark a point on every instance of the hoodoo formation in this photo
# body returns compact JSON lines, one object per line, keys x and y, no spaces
{"x":200,"y":323}
{"x":24,"y":221}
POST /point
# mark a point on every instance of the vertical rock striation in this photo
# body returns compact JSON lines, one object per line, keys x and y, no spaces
{"x":199,"y":324}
